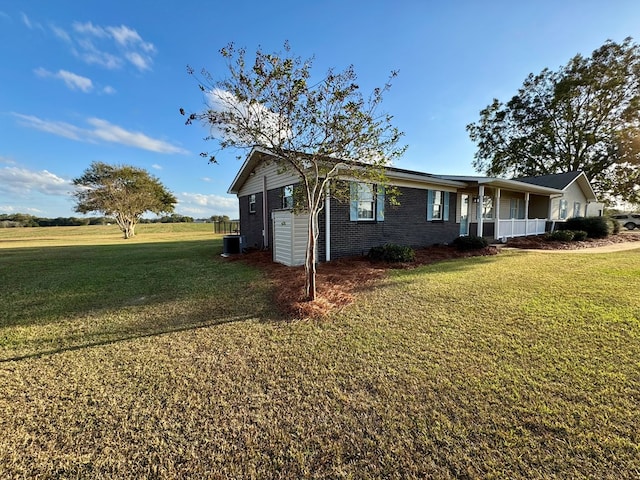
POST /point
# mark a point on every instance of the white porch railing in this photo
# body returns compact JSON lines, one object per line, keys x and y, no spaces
{"x":520,"y":227}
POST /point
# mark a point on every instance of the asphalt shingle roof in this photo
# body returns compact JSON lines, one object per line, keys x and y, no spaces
{"x":557,"y":180}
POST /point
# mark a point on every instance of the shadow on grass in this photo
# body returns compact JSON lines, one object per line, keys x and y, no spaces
{"x":44,"y":285}
{"x":101,"y":338}
{"x":57,"y":299}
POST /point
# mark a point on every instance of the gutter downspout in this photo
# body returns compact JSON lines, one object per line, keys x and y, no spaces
{"x":327,"y":224}
{"x":265,"y":214}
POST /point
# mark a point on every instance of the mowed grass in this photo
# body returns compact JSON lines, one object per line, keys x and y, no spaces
{"x":524,"y":365}
{"x":74,"y":286}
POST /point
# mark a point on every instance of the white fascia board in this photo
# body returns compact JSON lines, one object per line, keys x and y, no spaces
{"x":423,"y":181}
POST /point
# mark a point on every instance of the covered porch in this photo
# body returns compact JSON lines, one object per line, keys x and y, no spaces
{"x":499,"y":209}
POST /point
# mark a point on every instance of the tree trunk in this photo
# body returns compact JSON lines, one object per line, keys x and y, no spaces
{"x":127,"y":227}
{"x":310,"y":259}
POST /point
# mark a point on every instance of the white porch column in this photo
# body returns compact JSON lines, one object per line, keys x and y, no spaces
{"x":526,"y":213}
{"x":496,"y":224}
{"x":479,"y":209}
{"x":327,"y":224}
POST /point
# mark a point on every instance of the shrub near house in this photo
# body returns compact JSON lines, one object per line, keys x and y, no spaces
{"x":596,"y":227}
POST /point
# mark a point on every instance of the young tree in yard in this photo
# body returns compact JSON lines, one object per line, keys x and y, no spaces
{"x":322,"y":129}
{"x":123,"y":192}
{"x":584,"y":116}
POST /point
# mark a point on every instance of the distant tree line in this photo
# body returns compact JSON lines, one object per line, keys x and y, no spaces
{"x":26,"y":220}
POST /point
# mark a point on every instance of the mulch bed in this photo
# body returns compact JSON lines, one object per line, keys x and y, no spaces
{"x":337,"y":281}
{"x":538,"y":242}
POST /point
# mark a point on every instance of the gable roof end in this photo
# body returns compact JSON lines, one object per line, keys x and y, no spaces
{"x":562,"y":181}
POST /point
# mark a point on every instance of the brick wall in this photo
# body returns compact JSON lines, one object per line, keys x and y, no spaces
{"x":251,"y":223}
{"x":405,"y":224}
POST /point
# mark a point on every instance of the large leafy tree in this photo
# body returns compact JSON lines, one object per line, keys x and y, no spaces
{"x":123,"y":192}
{"x":584,"y":116}
{"x":322,"y":129}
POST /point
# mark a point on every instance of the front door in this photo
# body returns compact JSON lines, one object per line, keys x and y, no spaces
{"x":464,"y":214}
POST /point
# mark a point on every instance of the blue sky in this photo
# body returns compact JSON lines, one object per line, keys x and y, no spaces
{"x":87,"y":81}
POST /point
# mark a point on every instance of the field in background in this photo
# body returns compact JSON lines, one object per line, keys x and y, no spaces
{"x":123,"y":359}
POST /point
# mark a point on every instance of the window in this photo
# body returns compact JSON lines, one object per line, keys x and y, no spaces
{"x":487,"y":208}
{"x":252,"y":203}
{"x":576,"y":209}
{"x":287,"y":196}
{"x":366,"y":202}
{"x":437,"y":205}
{"x":562,"y":214}
{"x":516,"y":208}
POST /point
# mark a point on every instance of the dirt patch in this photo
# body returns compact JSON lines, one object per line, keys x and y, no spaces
{"x":337,"y":281}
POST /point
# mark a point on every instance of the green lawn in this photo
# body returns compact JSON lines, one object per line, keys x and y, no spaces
{"x":156,"y":359}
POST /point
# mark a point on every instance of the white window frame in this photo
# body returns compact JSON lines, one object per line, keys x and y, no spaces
{"x":287,"y":197}
{"x":516,"y":208}
{"x":252,"y":203}
{"x":437,"y":208}
{"x":487,"y":207}
{"x":562,"y":209}
{"x":576,"y":209}
{"x":366,"y":199}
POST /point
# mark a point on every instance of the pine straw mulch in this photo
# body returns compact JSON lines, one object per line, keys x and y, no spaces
{"x":338,"y":281}
{"x":539,"y":242}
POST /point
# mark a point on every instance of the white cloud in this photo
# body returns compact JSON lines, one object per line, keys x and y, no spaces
{"x":113,"y":133}
{"x":143,"y":63}
{"x":102,"y":130}
{"x":29,"y":23}
{"x":109,"y":90}
{"x":200,"y":205}
{"x":126,"y":36}
{"x":61,"y":33}
{"x":93,"y":56}
{"x":7,"y":161}
{"x":156,"y":166}
{"x":116,"y":44}
{"x":22,"y":182}
{"x":71,"y":80}
{"x":206,"y":179}
{"x":61,"y":129}
{"x":89,"y":29}
{"x":254,"y":117}
{"x":14,"y":209}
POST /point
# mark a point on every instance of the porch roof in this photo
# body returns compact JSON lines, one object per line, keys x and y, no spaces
{"x":507,"y":184}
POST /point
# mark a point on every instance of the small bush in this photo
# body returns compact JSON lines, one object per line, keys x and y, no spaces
{"x":470,"y":242}
{"x":614,"y":226}
{"x":561,"y":236}
{"x":392,"y":253}
{"x":579,"y":235}
{"x":596,"y":227}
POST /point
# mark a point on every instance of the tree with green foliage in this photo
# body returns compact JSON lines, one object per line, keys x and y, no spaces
{"x":122,"y":192}
{"x":584,"y":116}
{"x":321,"y":129}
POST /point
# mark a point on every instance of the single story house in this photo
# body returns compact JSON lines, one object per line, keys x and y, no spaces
{"x":434,"y":209}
